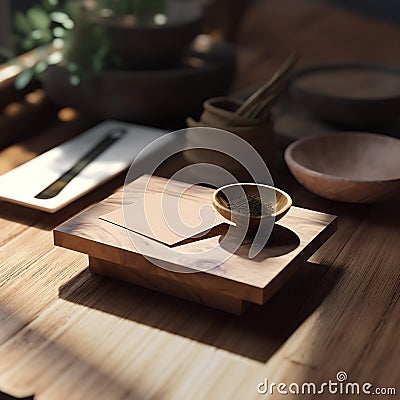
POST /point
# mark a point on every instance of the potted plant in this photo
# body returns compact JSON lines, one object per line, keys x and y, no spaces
{"x":124,"y":58}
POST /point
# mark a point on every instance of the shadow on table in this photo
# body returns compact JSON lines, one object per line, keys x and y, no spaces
{"x":281,"y":241}
{"x":28,"y":369}
{"x":257,"y":334}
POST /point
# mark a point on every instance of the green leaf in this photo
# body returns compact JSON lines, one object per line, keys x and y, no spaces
{"x":27,"y":43}
{"x":74,"y":80}
{"x":97,"y":66}
{"x":58,"y":43}
{"x":62,"y":18}
{"x":103,"y":49}
{"x":55,"y":58}
{"x":100,"y":57}
{"x":42,"y":51}
{"x":47,"y":36}
{"x":68,"y":24}
{"x":40,"y":67}
{"x":37,"y":34}
{"x":73,"y":8}
{"x":72,"y":67}
{"x":22,"y":23}
{"x":23,"y":79}
{"x":59,"y":32}
{"x":38,"y":18}
{"x":49,"y":4}
{"x":59,"y":17}
{"x":4,"y":52}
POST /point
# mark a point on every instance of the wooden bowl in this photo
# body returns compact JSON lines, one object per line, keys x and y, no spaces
{"x":242,"y":202}
{"x":362,"y":95}
{"x":349,"y":167}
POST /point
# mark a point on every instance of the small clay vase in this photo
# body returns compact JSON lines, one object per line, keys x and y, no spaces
{"x":219,"y":112}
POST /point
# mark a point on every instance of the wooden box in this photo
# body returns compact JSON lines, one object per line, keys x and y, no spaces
{"x":229,"y":286}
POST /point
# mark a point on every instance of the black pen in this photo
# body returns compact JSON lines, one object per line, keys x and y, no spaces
{"x":59,"y":184}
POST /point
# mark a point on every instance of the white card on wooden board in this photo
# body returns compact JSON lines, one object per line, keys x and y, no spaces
{"x":23,"y":183}
{"x":166,"y":218}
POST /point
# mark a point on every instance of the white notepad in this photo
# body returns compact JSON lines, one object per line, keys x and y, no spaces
{"x":23,"y":183}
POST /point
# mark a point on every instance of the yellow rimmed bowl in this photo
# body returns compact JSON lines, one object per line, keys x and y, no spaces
{"x":248,"y":204}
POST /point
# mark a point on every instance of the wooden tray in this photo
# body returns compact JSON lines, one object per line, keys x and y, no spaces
{"x":229,"y":286}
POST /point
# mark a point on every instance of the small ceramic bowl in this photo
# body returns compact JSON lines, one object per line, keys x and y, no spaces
{"x":250,"y":203}
{"x":349,"y":167}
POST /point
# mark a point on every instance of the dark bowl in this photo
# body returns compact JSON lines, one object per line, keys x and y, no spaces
{"x":151,"y":46}
{"x":361,"y":95}
{"x":247,"y":204}
{"x":149,"y":96}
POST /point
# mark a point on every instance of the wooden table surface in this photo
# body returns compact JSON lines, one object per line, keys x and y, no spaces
{"x":65,"y":334}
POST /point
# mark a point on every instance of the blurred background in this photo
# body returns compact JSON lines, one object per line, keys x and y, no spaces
{"x":385,"y":9}
{"x":226,"y":47}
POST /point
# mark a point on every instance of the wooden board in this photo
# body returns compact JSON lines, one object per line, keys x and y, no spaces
{"x":101,"y":339}
{"x":229,"y":285}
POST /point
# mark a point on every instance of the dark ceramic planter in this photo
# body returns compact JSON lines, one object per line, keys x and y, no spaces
{"x":152,"y":46}
{"x":151,"y":96}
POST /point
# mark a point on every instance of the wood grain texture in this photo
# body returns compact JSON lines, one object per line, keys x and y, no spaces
{"x":68,"y":335}
{"x":175,"y":285}
{"x":299,"y":234}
